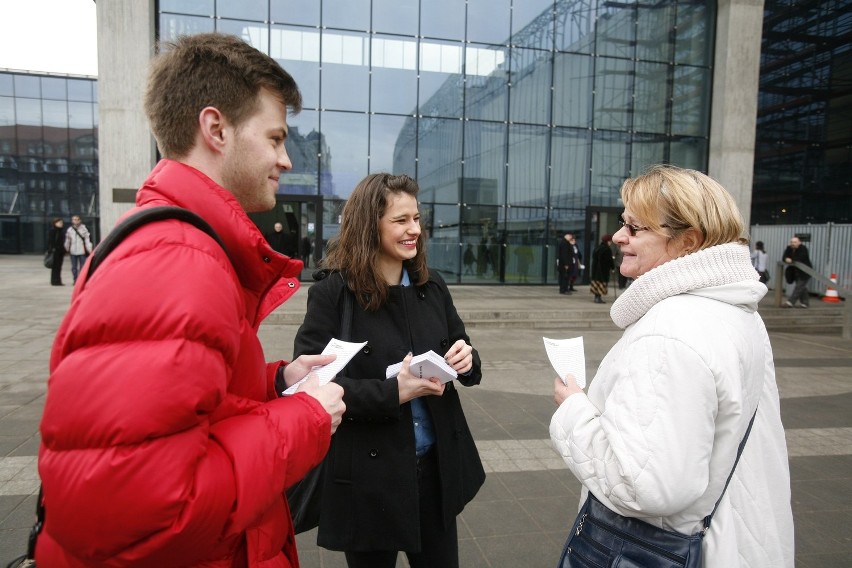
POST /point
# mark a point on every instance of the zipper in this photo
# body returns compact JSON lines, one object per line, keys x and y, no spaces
{"x":630,"y":538}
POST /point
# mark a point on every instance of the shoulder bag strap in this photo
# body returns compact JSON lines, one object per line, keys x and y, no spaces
{"x":348,"y":308}
{"x":730,"y":475}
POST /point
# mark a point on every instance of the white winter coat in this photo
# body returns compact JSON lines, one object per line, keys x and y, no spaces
{"x":657,"y":434}
{"x":77,"y":242}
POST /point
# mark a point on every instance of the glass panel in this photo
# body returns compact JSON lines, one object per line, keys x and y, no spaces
{"x":442,"y":19}
{"x":531,"y":93}
{"x":243,"y":9}
{"x":80,"y":90}
{"x":349,"y":14}
{"x":610,"y":167}
{"x":202,"y":7}
{"x":480,"y":225}
{"x":54,"y":113}
{"x":253,"y":33}
{"x":655,"y":32}
{"x":569,"y":167}
{"x":691,"y":101}
{"x":172,"y":26}
{"x":484,"y":163}
{"x":53,"y":88}
{"x":616,"y":30}
{"x":440,"y":79}
{"x":7,"y":85}
{"x":646,"y":151}
{"x":80,"y":115}
{"x":488,"y":21}
{"x":695,"y":33}
{"x":394,"y":75}
{"x":298,"y":51}
{"x":613,"y":93}
{"x":527,"y":165}
{"x":346,"y":137}
{"x":295,"y":12}
{"x":572,"y":90}
{"x":7,"y":112}
{"x":532,"y":23}
{"x":487,"y":82}
{"x":331,"y":210}
{"x":390,"y":144}
{"x":304,"y":146}
{"x":689,"y":153}
{"x":524,"y":250}
{"x":440,"y":225}
{"x":575,"y":26}
{"x":27,"y":86}
{"x":439,"y":164}
{"x":28,"y":112}
{"x":344,"y":70}
{"x":651,"y":97}
{"x":396,"y":16}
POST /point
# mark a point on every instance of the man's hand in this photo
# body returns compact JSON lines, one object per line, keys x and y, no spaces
{"x":411,"y":387}
{"x":330,"y":396}
{"x":561,"y":390}
{"x":299,"y":368}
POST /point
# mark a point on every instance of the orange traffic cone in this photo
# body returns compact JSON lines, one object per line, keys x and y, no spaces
{"x":831,"y":293}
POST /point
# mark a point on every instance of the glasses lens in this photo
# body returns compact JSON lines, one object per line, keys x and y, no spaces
{"x":631,"y":229}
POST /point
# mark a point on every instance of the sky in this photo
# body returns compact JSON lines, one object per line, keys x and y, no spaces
{"x":56,"y":36}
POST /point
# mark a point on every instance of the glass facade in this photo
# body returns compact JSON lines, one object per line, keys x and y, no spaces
{"x":519,"y":118}
{"x":48,"y":156}
{"x":803,"y":154}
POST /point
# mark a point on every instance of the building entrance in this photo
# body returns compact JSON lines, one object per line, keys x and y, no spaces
{"x":294,"y":228}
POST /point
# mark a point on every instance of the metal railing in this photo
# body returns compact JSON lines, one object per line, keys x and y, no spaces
{"x":843,"y":293}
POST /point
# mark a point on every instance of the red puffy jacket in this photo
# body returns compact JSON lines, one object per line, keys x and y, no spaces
{"x":163,"y":442}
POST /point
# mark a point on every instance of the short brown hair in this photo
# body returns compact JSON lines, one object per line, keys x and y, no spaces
{"x":682,"y":199}
{"x":209,"y":69}
{"x":355,"y":250}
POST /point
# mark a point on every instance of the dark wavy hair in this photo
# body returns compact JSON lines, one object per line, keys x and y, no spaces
{"x":209,"y":69}
{"x":356,"y":249}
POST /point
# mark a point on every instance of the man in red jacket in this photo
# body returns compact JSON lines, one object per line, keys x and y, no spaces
{"x":164,"y":441}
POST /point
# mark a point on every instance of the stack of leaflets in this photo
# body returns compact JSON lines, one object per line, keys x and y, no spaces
{"x":425,"y":366}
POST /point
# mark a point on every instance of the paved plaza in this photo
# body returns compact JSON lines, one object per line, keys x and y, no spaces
{"x":521,"y":516}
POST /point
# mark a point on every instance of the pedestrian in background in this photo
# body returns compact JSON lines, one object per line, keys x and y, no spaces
{"x":658,"y":433}
{"x":78,"y":244}
{"x":403,"y":463}
{"x":163,"y":439}
{"x":797,"y":252}
{"x":758,"y":260}
{"x":567,"y":263}
{"x":602,"y":267}
{"x":56,"y":245}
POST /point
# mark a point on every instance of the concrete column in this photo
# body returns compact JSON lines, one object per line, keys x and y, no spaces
{"x":127,"y":151}
{"x":736,"y":73}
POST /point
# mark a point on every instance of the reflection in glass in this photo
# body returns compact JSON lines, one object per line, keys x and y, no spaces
{"x":691,"y":101}
{"x":386,"y":134}
{"x":27,"y":86}
{"x":345,"y":162}
{"x":7,"y":116}
{"x":482,"y":227}
{"x":689,"y":153}
{"x":243,"y":9}
{"x":651,"y":97}
{"x":55,"y":113}
{"x":80,"y":90}
{"x":654,"y":32}
{"x":295,"y":12}
{"x":396,"y":16}
{"x":441,"y":81}
{"x":527,"y":176}
{"x":532,"y":24}
{"x":200,"y":7}
{"x":439,"y":167}
{"x":7,"y":85}
{"x":525,"y":252}
{"x":440,"y":225}
{"x":348,"y":14}
{"x":575,"y":25}
{"x":297,"y":51}
{"x":53,"y":88}
{"x":613,"y":93}
{"x":610,"y":167}
{"x":306,"y":147}
{"x":486,"y":96}
{"x":394,"y":76}
{"x":646,"y":151}
{"x":80,"y":115}
{"x":570,"y":155}
{"x":28,"y":112}
{"x":616,"y":30}
{"x":572,"y":90}
{"x":172,"y":26}
{"x":345,"y":72}
{"x":695,"y":33}
{"x":530,"y":92}
{"x":488,"y":21}
{"x":484,"y":163}
{"x":442,"y":19}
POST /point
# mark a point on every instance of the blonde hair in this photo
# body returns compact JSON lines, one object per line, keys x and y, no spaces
{"x":682,"y":199}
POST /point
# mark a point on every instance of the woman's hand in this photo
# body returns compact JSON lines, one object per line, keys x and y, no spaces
{"x":460,"y":357}
{"x":561,"y":390}
{"x":411,"y":387}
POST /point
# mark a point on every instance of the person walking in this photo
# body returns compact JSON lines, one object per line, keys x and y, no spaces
{"x":657,"y":435}
{"x":403,"y":464}
{"x":567,"y":263}
{"x":163,"y":439}
{"x":56,"y":245}
{"x":78,"y":244}
{"x":797,"y":252}
{"x":758,"y":260}
{"x":602,"y":267}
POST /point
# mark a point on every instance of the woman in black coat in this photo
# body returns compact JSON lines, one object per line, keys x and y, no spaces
{"x":56,"y":243}
{"x":403,"y":463}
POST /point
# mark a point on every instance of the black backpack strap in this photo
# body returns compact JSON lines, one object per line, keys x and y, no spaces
{"x":143,"y":217}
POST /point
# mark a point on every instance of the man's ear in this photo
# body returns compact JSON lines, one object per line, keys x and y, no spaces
{"x":212,"y":125}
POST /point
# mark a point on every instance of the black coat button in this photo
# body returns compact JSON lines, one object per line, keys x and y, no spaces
{"x":445,"y":343}
{"x":367,"y":350}
{"x":374,"y":453}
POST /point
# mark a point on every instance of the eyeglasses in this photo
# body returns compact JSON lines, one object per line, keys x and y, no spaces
{"x":633,"y":229}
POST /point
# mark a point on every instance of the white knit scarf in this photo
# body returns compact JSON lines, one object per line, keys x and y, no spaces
{"x":713,"y":266}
